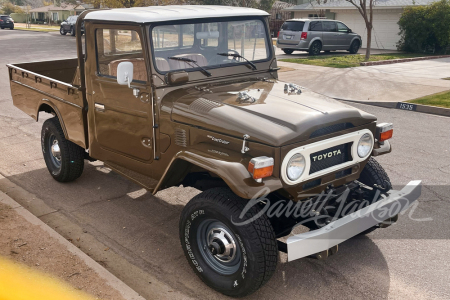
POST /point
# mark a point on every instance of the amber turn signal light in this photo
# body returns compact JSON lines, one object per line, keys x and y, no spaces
{"x":261,"y":167}
{"x":384,"y":131}
{"x":386,"y":135}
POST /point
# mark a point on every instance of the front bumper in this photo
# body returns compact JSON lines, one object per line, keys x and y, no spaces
{"x":316,"y":241}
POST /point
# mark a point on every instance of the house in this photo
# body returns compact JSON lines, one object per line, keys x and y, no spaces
{"x":386,"y":14}
{"x":278,"y":15}
{"x":52,"y":13}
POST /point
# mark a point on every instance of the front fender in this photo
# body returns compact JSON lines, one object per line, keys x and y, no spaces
{"x":228,"y":165}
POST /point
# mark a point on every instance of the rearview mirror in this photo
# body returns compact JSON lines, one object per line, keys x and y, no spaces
{"x":177,"y":77}
{"x":125,"y":73}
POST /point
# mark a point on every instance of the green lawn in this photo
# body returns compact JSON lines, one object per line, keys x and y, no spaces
{"x":346,"y":61}
{"x":440,"y":99}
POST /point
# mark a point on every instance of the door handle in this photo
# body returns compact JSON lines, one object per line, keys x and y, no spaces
{"x":99,"y":107}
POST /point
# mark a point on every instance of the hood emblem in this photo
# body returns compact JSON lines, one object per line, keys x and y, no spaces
{"x":248,"y":96}
{"x":245,"y":97}
{"x":292,"y":89}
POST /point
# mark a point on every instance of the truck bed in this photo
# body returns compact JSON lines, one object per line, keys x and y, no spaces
{"x":51,"y":86}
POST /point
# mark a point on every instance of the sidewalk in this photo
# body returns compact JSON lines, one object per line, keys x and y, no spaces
{"x":386,"y":83}
{"x":27,"y":240}
{"x":36,"y":27}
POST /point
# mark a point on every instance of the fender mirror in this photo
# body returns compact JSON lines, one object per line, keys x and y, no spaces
{"x":125,"y":73}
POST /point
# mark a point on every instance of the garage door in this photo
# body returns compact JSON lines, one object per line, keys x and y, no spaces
{"x":385,"y":34}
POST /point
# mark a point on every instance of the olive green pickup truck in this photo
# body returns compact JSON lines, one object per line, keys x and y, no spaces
{"x":189,"y":95}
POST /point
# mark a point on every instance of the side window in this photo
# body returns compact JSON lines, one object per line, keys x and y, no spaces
{"x":315,"y":26}
{"x":341,"y":27}
{"x":114,"y":46}
{"x":329,"y":26}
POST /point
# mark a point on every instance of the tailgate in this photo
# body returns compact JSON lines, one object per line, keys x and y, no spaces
{"x":291,"y":32}
{"x":33,"y":92}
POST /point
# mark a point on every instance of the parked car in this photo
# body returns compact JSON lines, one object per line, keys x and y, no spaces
{"x":68,"y":26}
{"x":6,"y":22}
{"x":315,"y":35}
{"x":189,"y":95}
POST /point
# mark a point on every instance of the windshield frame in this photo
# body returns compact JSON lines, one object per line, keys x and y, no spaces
{"x":263,"y":19}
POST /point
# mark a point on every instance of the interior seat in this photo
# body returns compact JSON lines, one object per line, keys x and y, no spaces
{"x":181,"y":65}
{"x":162,"y":64}
{"x":139,"y":69}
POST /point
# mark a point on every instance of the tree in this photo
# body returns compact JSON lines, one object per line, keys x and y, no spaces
{"x":365,"y":8}
{"x":9,"y":8}
{"x":425,"y":28}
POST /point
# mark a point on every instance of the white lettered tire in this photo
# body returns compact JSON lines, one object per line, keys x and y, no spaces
{"x":233,"y":259}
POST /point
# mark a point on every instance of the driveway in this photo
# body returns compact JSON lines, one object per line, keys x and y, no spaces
{"x":385,"y":83}
{"x":407,"y":261}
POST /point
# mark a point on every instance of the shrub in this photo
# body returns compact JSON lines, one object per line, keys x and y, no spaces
{"x":425,"y":28}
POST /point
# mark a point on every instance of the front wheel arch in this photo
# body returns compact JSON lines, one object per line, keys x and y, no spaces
{"x":234,"y":174}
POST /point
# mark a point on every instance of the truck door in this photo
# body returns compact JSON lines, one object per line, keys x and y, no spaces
{"x":121,"y":118}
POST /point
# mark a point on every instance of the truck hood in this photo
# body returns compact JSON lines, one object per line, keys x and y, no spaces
{"x":272,"y":117}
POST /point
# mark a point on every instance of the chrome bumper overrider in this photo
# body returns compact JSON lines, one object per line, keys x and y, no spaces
{"x":312,"y":242}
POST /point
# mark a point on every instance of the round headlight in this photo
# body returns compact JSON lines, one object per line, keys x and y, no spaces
{"x":365,"y":145}
{"x":295,"y":167}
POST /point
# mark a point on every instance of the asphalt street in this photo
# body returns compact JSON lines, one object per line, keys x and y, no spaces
{"x":409,"y":260}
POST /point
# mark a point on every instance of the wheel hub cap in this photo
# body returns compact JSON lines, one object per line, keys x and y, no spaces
{"x":56,"y":152}
{"x":221,"y":244}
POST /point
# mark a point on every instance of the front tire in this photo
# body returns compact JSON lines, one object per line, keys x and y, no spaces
{"x":64,"y":159}
{"x":373,"y":173}
{"x":231,"y":258}
{"x":315,"y":48}
{"x":62,"y":32}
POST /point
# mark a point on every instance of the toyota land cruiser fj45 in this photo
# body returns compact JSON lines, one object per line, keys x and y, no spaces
{"x":189,"y":95}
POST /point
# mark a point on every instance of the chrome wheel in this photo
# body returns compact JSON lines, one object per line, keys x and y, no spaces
{"x":218,"y":246}
{"x":55,"y":151}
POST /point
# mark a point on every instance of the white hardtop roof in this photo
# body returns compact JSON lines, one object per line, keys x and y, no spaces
{"x":172,"y":13}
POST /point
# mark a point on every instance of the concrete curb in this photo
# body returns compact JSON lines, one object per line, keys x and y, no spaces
{"x":113,"y":281}
{"x":433,"y":110}
{"x":400,"y":60}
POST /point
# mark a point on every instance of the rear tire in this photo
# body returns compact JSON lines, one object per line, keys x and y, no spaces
{"x":288,"y":51}
{"x":354,"y":47}
{"x":246,"y":256}
{"x":11,"y":28}
{"x":64,"y":159}
{"x":315,"y":48}
{"x":373,"y":173}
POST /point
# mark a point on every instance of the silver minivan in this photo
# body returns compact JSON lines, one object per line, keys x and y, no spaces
{"x":315,"y":35}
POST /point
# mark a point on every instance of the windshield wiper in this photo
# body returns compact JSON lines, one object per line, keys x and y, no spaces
{"x":188,"y":60}
{"x":239,"y":56}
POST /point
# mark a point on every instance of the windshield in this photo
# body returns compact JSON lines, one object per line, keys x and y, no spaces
{"x":206,"y":42}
